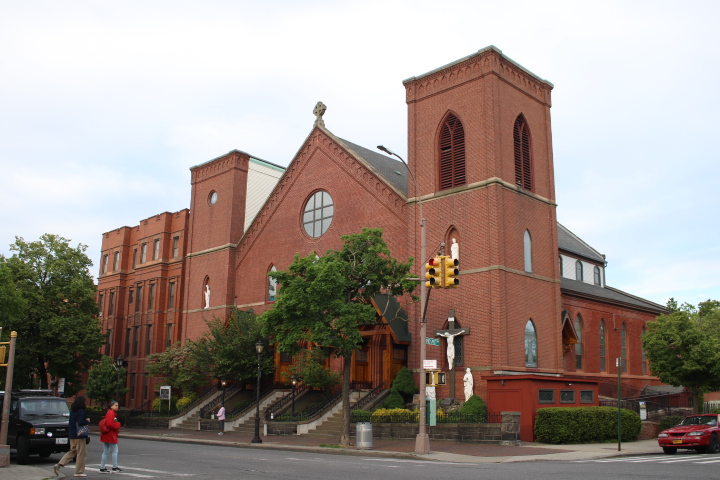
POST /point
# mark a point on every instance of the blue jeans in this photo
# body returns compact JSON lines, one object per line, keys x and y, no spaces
{"x":109,"y":447}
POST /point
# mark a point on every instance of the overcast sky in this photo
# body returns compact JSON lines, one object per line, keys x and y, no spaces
{"x":104,"y":107}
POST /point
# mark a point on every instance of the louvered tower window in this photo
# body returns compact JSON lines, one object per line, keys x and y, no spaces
{"x":523,"y":153}
{"x":452,"y":153}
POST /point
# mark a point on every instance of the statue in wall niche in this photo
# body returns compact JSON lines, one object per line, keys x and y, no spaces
{"x":468,"y":384}
{"x":455,"y":250}
{"x":207,"y":296}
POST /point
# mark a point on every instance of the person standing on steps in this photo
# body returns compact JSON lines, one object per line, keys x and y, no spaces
{"x":77,"y":424}
{"x":109,"y":438}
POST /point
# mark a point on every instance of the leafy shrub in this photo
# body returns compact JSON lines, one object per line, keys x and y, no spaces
{"x":585,"y":425}
{"x":395,"y":415}
{"x":669,"y":421}
{"x":474,"y":404}
{"x":360,"y":416}
{"x":183,"y":403}
{"x":394,"y":400}
{"x":162,"y":405}
{"x":404,"y":383}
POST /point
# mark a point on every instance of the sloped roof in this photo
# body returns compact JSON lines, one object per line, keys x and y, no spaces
{"x":606,"y":294}
{"x":394,"y":315}
{"x":393,"y":171}
{"x":571,"y":243}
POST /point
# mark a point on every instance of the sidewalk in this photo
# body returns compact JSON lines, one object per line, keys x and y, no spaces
{"x":440,"y":450}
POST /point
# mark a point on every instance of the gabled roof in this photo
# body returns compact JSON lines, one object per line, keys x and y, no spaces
{"x":571,"y":243}
{"x":607,"y":294}
{"x":393,"y":172}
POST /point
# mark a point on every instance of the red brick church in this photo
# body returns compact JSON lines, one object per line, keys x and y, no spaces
{"x":533,"y":302}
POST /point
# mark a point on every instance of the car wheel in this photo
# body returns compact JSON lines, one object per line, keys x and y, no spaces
{"x":45,"y":453}
{"x":23,"y":450}
{"x":669,"y":450}
{"x":714,"y":444}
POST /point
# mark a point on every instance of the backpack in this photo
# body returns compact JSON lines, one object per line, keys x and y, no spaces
{"x":103,"y":427}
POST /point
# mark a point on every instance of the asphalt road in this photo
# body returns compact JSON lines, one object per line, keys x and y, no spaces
{"x":163,"y":460}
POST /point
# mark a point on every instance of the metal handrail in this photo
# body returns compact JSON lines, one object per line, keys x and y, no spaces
{"x":320,"y":409}
{"x":229,"y":392}
{"x":370,"y":395}
{"x":237,"y":412}
{"x":280,"y":404}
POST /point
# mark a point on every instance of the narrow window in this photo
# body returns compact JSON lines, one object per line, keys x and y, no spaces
{"x":101,"y":297}
{"x":523,"y":153}
{"x":527,"y":240}
{"x":176,"y":247}
{"x":146,"y":387}
{"x":138,"y":302}
{"x":148,"y":341}
{"x":602,"y":346}
{"x":272,"y":286}
{"x":105,"y":264}
{"x":107,"y":345}
{"x":156,"y":249}
{"x":561,"y":265}
{"x":171,"y":296}
{"x":132,"y":386}
{"x":131,"y":296}
{"x":644,"y":355}
{"x":452,"y":153}
{"x":578,"y":345}
{"x":623,"y":348}
{"x":168,"y":338}
{"x":128,"y":340}
{"x":578,"y":270}
{"x":596,"y":275}
{"x":111,"y":307}
{"x":134,"y":257}
{"x":143,"y":253}
{"x":151,"y":297}
{"x":136,"y":339}
{"x":530,"y":345}
{"x":116,"y":262}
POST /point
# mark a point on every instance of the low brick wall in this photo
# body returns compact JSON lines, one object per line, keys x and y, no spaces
{"x":281,"y":428}
{"x":650,"y":430}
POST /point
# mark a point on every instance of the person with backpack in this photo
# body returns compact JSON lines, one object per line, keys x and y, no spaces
{"x":109,"y":428}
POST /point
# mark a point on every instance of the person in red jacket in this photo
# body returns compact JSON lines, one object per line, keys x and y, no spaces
{"x":109,"y":438}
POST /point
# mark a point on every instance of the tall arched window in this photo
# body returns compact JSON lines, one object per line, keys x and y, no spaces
{"x":596,"y":276}
{"x":603,"y":366}
{"x":452,"y":153}
{"x":527,"y":242}
{"x":561,"y":264}
{"x":644,"y":354}
{"x":272,"y":286}
{"x":531,"y":359}
{"x":523,"y":153}
{"x":623,"y":348}
{"x":578,"y":345}
{"x":578,"y":270}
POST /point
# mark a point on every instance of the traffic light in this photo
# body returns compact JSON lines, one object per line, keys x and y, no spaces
{"x":434,"y":273}
{"x":451,"y":272}
{"x":434,"y":378}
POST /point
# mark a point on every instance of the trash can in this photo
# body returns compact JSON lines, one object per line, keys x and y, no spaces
{"x":364,"y":436}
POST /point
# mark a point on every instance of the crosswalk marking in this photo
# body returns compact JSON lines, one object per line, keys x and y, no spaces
{"x":664,"y":459}
{"x":130,"y":472}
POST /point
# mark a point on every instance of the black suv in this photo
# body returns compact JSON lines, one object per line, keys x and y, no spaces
{"x":38,"y":423}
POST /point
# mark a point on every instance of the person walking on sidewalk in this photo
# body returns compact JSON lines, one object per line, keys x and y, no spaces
{"x":221,"y":419}
{"x":78,"y":433}
{"x":109,"y":428}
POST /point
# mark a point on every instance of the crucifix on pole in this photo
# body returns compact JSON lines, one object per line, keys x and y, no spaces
{"x":450,"y":333}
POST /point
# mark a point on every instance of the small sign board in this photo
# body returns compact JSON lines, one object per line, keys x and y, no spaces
{"x":61,"y":386}
{"x":432,"y":341}
{"x":430,"y":364}
{"x":165,"y":392}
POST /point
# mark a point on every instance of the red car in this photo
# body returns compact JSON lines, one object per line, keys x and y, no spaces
{"x":698,"y":432}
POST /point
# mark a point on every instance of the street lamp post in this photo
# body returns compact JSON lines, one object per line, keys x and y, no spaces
{"x":118,"y":365}
{"x":259,"y":347}
{"x":293,"y":379}
{"x":223,"y":383}
{"x":422,"y":441}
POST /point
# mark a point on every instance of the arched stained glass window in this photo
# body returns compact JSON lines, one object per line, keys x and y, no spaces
{"x":272,"y":286}
{"x":579,"y":345}
{"x":578,"y":270}
{"x":531,"y":350}
{"x":596,"y":276}
{"x":452,"y":153}
{"x":603,"y":365}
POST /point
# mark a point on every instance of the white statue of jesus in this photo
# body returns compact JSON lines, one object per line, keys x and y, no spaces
{"x":207,"y":296}
{"x":455,"y":250}
{"x":468,"y":384}
{"x":450,"y":346}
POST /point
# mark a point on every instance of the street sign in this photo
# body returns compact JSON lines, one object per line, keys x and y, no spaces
{"x":432,"y":341}
{"x":430,"y":364}
{"x":165,"y":392}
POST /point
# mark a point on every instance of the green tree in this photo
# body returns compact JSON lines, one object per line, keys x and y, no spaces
{"x":102,"y":384}
{"x":228,"y":347}
{"x":323,"y":300}
{"x":181,"y":366}
{"x":404,"y":383}
{"x":683,"y":348}
{"x":56,"y":317}
{"x":311,"y":371}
